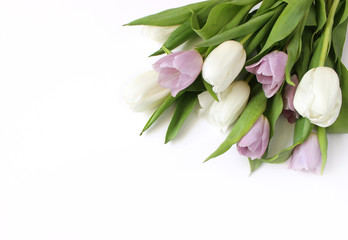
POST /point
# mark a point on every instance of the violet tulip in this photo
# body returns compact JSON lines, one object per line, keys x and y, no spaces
{"x":270,"y":71}
{"x":289,"y":110}
{"x":178,"y":70}
{"x":254,"y":144}
{"x":307,"y":156}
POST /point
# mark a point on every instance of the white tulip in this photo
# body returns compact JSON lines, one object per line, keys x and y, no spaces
{"x":318,"y":96}
{"x":223,"y":65}
{"x":144,"y":93}
{"x":225,"y":112}
{"x":157,"y":33}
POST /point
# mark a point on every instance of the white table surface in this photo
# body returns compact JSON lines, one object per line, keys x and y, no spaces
{"x":72,"y":165}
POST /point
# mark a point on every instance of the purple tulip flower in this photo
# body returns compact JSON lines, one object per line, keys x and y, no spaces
{"x":270,"y":71}
{"x":178,"y":70}
{"x":289,"y":110}
{"x":307,"y":156}
{"x":255,"y":142}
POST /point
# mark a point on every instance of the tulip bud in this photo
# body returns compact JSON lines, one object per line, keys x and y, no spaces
{"x":254,"y":144}
{"x":223,"y":65}
{"x":178,"y":70}
{"x":307,"y":156}
{"x":289,"y":110}
{"x":144,"y":93}
{"x":318,"y":96}
{"x":270,"y":71}
{"x":158,"y":33}
{"x":225,"y":112}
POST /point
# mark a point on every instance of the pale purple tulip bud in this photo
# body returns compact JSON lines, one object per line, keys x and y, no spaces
{"x":255,"y":142}
{"x":270,"y":71}
{"x":289,"y":110}
{"x":307,"y":156}
{"x":178,"y":70}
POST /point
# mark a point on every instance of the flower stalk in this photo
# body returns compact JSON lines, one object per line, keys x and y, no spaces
{"x":328,"y":31}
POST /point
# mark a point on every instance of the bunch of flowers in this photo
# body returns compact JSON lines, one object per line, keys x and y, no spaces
{"x":254,"y":61}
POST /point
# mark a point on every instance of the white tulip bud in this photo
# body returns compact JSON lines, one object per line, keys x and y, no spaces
{"x":223,"y":65}
{"x":318,"y":96}
{"x":225,"y":112}
{"x":144,"y":93}
{"x":157,"y":33}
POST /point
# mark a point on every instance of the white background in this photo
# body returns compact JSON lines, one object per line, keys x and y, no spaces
{"x":72,"y":165}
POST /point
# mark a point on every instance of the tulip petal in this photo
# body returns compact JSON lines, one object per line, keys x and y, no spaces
{"x":270,"y":71}
{"x":319,"y":97}
{"x":254,"y":144}
{"x":307,"y":156}
{"x":288,"y":99}
{"x":223,"y":65}
{"x":178,"y":70}
{"x":144,"y":93}
{"x":225,"y":112}
{"x":265,"y":67}
{"x":189,"y":63}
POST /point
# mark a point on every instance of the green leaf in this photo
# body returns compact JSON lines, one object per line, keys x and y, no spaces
{"x":322,"y":136}
{"x":247,"y":119}
{"x":237,"y":19}
{"x":183,"y":109}
{"x":312,"y":17}
{"x":294,"y":50}
{"x":254,"y":165}
{"x":345,"y":13}
{"x":185,"y":31}
{"x":340,"y":30}
{"x":320,"y":14}
{"x":242,"y":30}
{"x":245,"y":2}
{"x":305,"y":57}
{"x":287,"y":22}
{"x":209,"y":88}
{"x":196,"y":86}
{"x":170,"y":17}
{"x":258,"y":38}
{"x":302,"y":130}
{"x":339,"y":38}
{"x":273,"y":111}
{"x":341,"y":124}
{"x":160,"y":110}
{"x":219,"y":16}
{"x":267,"y":5}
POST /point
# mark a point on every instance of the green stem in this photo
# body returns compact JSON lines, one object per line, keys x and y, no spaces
{"x":328,"y":31}
{"x":329,"y":4}
{"x":246,"y":38}
{"x":249,"y":78}
{"x":322,"y":137}
{"x":166,"y":50}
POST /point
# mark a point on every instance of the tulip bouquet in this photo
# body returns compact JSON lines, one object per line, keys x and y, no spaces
{"x":252,"y":62}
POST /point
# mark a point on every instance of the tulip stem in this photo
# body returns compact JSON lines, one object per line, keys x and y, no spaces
{"x":246,"y":38}
{"x":249,"y":78}
{"x":329,"y":4}
{"x":328,"y":31}
{"x":166,"y":50}
{"x":322,"y":136}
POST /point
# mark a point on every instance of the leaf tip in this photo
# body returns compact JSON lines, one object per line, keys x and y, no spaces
{"x":158,"y":52}
{"x":207,"y":159}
